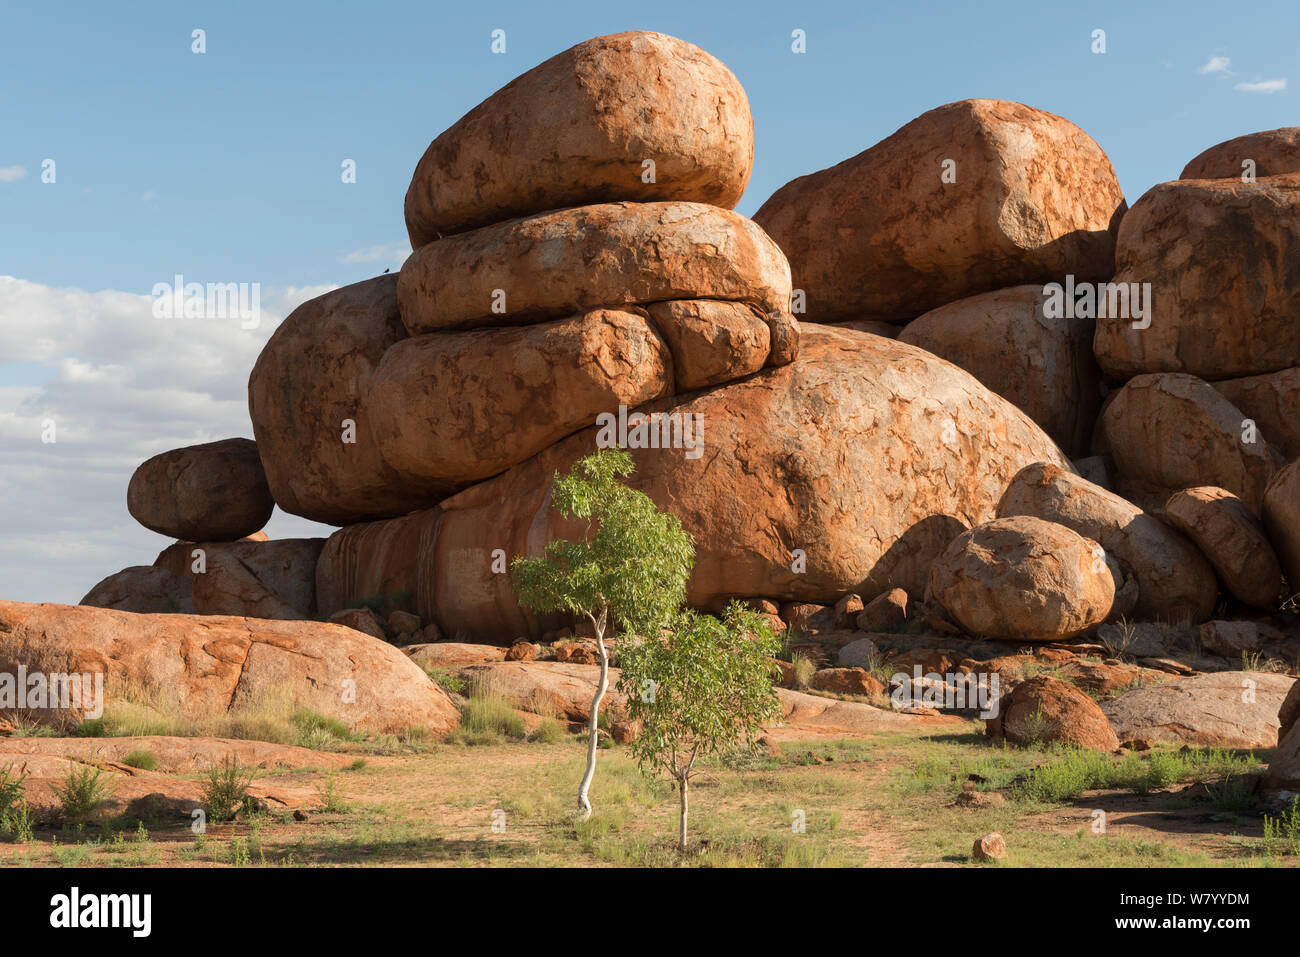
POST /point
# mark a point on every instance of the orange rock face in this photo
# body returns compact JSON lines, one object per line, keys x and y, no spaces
{"x":201,"y":665}
{"x":1272,"y":402}
{"x":1221,"y":257}
{"x":1175,"y":431}
{"x":248,"y":579}
{"x":882,"y":236}
{"x":309,"y":382}
{"x":1272,"y":152}
{"x":215,"y":492}
{"x":1023,"y":578}
{"x":712,"y":341}
{"x":449,"y":409}
{"x":1232,"y":538}
{"x":564,"y":262}
{"x":1175,"y":582}
{"x":1043,"y":365}
{"x":143,"y":589}
{"x":1282,"y":520}
{"x":579,"y":128}
{"x":1045,"y":709}
{"x":865,"y":454}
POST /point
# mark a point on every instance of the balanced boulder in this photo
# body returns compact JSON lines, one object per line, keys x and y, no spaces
{"x":211,"y":492}
{"x":1006,"y":340}
{"x":1258,"y":154}
{"x":1221,"y":257}
{"x":1023,"y":578}
{"x":1232,"y":538}
{"x":1175,"y":583}
{"x":849,"y":470}
{"x":629,"y":116}
{"x":615,"y":254}
{"x":970,"y":197}
{"x":1174,"y":431}
{"x":306,"y":397}
{"x":449,"y":409}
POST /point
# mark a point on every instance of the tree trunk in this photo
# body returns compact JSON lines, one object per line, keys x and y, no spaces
{"x":584,"y":803}
{"x":683,"y":785}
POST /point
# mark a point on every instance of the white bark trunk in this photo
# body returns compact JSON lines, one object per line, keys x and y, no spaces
{"x":593,"y":742}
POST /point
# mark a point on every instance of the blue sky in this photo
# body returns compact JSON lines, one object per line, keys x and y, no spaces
{"x":226,"y":167}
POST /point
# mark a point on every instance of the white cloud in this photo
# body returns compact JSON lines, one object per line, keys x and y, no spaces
{"x":119,"y":385}
{"x":11,"y":174}
{"x":384,"y":252}
{"x":1216,"y":64}
{"x":1262,"y":86}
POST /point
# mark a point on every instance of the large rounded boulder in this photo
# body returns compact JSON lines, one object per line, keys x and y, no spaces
{"x":1175,"y":582}
{"x":849,"y":470}
{"x":1025,"y":579}
{"x":1175,"y":431}
{"x":1268,"y":153}
{"x":213,"y":492}
{"x":1223,"y":261}
{"x":1272,"y":404}
{"x":560,"y":263}
{"x":970,"y":197}
{"x":1282,"y":521}
{"x":1232,"y":538}
{"x":580,"y":128}
{"x":1042,"y":363}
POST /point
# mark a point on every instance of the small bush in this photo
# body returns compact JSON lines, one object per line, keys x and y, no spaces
{"x":487,"y":713}
{"x":12,"y":788}
{"x":549,"y":730}
{"x":226,"y":789}
{"x":448,"y":680}
{"x":331,"y":796}
{"x":141,"y":759}
{"x":805,"y":666}
{"x":84,"y":791}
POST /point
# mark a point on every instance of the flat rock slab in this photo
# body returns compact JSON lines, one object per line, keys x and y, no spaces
{"x":1205,"y":710}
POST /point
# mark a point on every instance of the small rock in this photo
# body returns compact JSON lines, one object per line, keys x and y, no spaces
{"x":862,"y":653}
{"x":522,"y":651}
{"x":885,"y":613}
{"x":575,"y":653}
{"x":847,"y":681}
{"x":1230,"y":638}
{"x":980,"y":800}
{"x":300,"y":815}
{"x":990,"y":847}
{"x":847,"y":610}
{"x":403,"y":623}
{"x":363,"y":620}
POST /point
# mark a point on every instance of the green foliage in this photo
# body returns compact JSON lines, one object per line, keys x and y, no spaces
{"x":1282,"y":833}
{"x":83,"y":792}
{"x":142,"y":759}
{"x":703,"y":689}
{"x":226,"y":789}
{"x":632,"y":563}
{"x":487,"y":717}
{"x":447,"y":679}
{"x":12,"y":788}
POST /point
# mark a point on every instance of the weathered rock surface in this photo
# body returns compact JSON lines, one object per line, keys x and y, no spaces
{"x":1175,"y":582}
{"x":1044,"y":709}
{"x":1270,"y":153}
{"x":1232,"y":538}
{"x":1044,"y":366}
{"x":1209,"y":710}
{"x":1174,"y":431}
{"x":1223,"y":260}
{"x":143,"y":589}
{"x":211,"y":492}
{"x":453,"y":654}
{"x":363,"y":620}
{"x":578,"y":129}
{"x":553,"y":689}
{"x":812,"y":716}
{"x":1282,"y":521}
{"x":881,"y":236}
{"x":450,"y":409}
{"x":247,"y":579}
{"x":201,"y":665}
{"x":1284,"y":769}
{"x":1288,"y":714}
{"x":310,"y":381}
{"x":841,"y":454}
{"x":1272,"y":402}
{"x":712,"y":341}
{"x":613,"y":254}
{"x":1023,"y":578}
